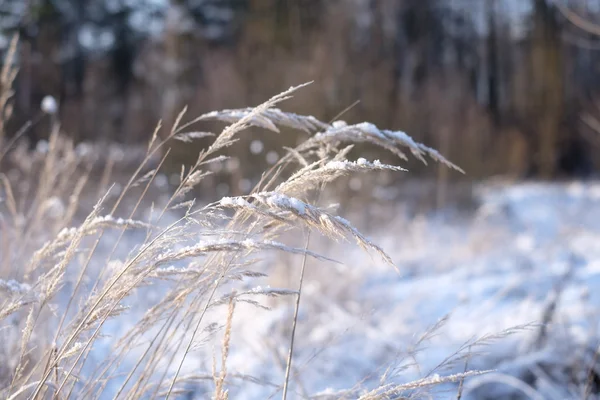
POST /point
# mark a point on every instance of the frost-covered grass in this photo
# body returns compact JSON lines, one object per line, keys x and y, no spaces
{"x":509,"y":287}
{"x":133,"y":296}
{"x":121,"y":299}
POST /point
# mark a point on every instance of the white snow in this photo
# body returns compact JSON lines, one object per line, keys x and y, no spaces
{"x":13,"y":287}
{"x":482,"y":273}
{"x":489,"y":273}
{"x":49,"y":105}
{"x":281,"y":201}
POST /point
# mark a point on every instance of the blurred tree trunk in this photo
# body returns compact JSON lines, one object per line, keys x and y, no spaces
{"x":46,"y":52}
{"x":398,"y":46}
{"x":547,"y":87}
{"x":179,"y":46}
{"x":73,"y":69}
{"x":492,"y":61}
{"x":181,"y":71}
{"x":423,"y":33}
{"x":24,"y":77}
{"x":123,"y":56}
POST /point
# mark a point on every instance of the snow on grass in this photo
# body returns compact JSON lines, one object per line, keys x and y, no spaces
{"x":488,"y":274}
{"x":474,"y":279}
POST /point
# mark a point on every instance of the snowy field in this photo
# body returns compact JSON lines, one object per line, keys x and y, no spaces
{"x":507,"y":284}
{"x":511,"y":286}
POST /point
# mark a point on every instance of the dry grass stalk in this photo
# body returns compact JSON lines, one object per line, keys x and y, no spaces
{"x":193,"y":260}
{"x":220,"y":392}
{"x":393,"y":391}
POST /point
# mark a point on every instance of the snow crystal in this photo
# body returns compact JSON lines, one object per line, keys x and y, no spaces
{"x":249,"y":243}
{"x":369,"y":128}
{"x":227,"y":201}
{"x":279,"y":200}
{"x":299,"y":206}
{"x":168,"y":270}
{"x":361,"y":162}
{"x":233,"y":202}
{"x":257,"y":289}
{"x":66,"y":232}
{"x":336,"y":165}
{"x":241,"y":202}
{"x":343,"y":221}
{"x":401,"y":137}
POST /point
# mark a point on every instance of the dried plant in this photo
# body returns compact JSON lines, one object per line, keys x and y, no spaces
{"x":192,"y":261}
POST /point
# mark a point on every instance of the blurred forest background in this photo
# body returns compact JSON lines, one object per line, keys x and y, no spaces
{"x":502,"y":87}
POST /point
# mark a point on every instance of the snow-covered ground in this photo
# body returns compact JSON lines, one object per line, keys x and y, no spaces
{"x":512,"y":285}
{"x":530,"y":253}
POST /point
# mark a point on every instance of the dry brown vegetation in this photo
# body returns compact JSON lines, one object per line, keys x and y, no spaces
{"x":509,"y":102}
{"x":64,"y":274}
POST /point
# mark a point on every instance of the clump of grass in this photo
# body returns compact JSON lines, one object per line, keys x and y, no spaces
{"x":193,"y":261}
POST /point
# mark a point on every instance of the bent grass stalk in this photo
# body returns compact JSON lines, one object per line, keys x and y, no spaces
{"x":274,"y":206}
